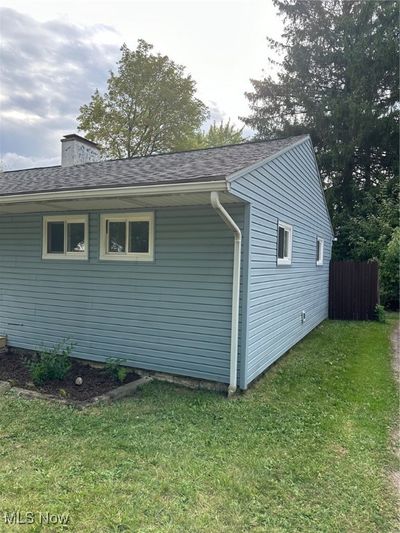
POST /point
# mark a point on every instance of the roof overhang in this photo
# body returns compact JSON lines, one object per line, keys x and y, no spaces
{"x":162,"y":195}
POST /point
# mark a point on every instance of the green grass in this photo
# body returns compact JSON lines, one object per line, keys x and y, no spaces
{"x":305,"y":449}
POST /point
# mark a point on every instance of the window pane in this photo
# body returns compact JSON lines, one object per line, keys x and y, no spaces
{"x":318,"y":250}
{"x":286,"y":246}
{"x":76,"y":237}
{"x":116,"y":237}
{"x":139,"y":237}
{"x":55,"y":237}
{"x":281,"y":239}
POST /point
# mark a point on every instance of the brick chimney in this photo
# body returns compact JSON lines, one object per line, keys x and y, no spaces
{"x":76,"y":150}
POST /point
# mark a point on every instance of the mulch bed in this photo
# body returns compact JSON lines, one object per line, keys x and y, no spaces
{"x":96,"y":381}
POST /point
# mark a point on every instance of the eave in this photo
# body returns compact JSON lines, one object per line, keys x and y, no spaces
{"x":134,"y":197}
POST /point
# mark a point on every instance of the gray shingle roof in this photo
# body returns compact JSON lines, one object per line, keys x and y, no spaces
{"x":197,"y":165}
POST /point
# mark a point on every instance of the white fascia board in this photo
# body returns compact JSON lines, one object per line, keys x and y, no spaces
{"x":307,"y":137}
{"x":119,"y":192}
{"x":322,"y":190}
{"x":262,"y":162}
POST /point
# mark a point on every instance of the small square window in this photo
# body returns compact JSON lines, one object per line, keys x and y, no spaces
{"x":65,"y":237}
{"x":320,"y":251}
{"x":55,"y":237}
{"x":139,"y":237}
{"x":127,"y":237}
{"x":284,"y":252}
{"x":76,"y":237}
{"x":116,"y":242}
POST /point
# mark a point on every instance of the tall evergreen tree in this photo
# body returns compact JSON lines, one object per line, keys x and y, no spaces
{"x":338,"y":80}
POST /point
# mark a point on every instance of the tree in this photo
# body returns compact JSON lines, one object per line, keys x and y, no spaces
{"x":218,"y":135}
{"x":149,"y":106}
{"x":389,"y":272}
{"x":338,"y":80}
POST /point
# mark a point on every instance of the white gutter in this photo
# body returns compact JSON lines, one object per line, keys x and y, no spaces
{"x":216,"y":204}
{"x":120,"y":192}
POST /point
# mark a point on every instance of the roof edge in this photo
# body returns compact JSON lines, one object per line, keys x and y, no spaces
{"x":304,"y":139}
{"x":104,"y":192}
{"x":322,"y":189}
{"x":191,"y":150}
{"x":245,"y":170}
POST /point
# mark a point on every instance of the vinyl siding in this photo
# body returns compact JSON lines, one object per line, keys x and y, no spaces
{"x":288,"y":189}
{"x":170,"y":315}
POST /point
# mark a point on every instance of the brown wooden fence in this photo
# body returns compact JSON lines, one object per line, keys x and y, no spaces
{"x":353,"y":290}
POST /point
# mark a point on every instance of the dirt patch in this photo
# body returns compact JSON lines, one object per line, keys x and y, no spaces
{"x":95,"y":381}
{"x":395,"y":339}
{"x":339,"y":450}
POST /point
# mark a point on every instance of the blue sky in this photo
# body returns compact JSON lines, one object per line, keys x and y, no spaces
{"x":55,"y":54}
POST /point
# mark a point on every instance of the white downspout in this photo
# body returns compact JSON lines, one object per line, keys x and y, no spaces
{"x":216,"y":204}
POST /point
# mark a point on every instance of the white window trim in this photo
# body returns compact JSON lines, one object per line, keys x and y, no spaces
{"x":285,"y":260}
{"x":320,"y":260}
{"x":74,"y":256}
{"x":126,"y":217}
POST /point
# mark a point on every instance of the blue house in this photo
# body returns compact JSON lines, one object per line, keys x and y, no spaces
{"x":209,"y":263}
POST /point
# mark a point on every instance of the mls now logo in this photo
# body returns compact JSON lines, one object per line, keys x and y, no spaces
{"x":16,"y":517}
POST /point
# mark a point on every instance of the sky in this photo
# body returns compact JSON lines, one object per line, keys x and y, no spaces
{"x":53,"y":55}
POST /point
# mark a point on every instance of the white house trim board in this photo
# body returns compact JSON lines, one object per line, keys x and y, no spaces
{"x":320,"y":249}
{"x":116,"y":192}
{"x":288,"y":229}
{"x":307,"y":138}
{"x":259,"y":164}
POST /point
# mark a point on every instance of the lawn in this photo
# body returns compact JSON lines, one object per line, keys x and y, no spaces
{"x":305,"y":449}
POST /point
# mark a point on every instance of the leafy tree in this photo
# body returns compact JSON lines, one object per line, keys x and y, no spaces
{"x":149,"y":106}
{"x":338,"y":80}
{"x":218,"y":135}
{"x":365,"y":233}
{"x":389,"y":272}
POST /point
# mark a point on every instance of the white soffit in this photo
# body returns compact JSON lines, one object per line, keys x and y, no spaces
{"x":127,"y":202}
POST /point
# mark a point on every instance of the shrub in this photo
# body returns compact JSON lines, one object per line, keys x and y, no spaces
{"x":51,"y":363}
{"x":389,"y":272}
{"x":114,"y":368}
{"x":380,"y":314}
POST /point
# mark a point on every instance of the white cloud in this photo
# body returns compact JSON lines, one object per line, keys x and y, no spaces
{"x":55,"y":54}
{"x":48,"y":70}
{"x":12,"y":161}
{"x":21,"y":117}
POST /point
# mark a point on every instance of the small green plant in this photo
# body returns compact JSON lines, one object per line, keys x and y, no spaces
{"x":380,"y":313}
{"x":51,"y":363}
{"x":114,"y":368}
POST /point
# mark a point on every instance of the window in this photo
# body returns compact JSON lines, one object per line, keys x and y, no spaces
{"x":65,"y":237}
{"x":127,"y":237}
{"x":320,"y":251}
{"x":284,"y":244}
